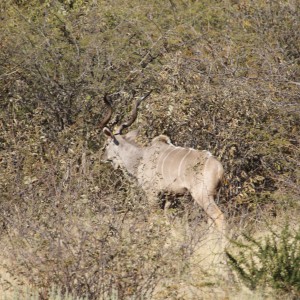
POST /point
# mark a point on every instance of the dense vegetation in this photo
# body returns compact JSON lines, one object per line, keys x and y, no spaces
{"x":224,"y":76}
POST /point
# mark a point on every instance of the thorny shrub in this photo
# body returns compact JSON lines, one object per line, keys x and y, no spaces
{"x":224,"y":77}
{"x":273,"y":261}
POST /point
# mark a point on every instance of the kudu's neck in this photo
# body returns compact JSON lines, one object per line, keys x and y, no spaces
{"x":131,"y":155}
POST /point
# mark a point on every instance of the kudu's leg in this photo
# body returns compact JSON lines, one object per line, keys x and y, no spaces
{"x":207,"y":202}
{"x":152,"y":197}
{"x":215,"y":213}
{"x":166,"y":211}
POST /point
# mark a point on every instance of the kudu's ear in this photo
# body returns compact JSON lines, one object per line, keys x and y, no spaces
{"x":132,"y":135}
{"x":107,"y":132}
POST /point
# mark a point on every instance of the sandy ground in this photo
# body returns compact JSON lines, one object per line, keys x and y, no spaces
{"x":206,"y":277}
{"x":207,"y":259}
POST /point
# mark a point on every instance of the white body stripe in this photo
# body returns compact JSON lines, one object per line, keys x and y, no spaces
{"x":180,"y":165}
{"x":162,"y":165}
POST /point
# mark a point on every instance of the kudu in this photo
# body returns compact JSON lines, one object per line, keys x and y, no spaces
{"x":163,"y":167}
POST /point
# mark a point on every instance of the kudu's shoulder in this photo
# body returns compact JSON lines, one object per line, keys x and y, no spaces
{"x":161,"y":139}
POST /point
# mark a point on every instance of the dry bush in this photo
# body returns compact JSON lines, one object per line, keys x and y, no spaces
{"x":72,"y":231}
{"x":94,"y":235}
{"x":224,"y":78}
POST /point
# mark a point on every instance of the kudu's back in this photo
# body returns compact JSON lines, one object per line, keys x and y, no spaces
{"x":165,"y":167}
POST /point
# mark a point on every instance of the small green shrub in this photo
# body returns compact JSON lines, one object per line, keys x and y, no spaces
{"x":273,"y":261}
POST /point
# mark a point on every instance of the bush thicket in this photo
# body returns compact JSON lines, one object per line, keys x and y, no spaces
{"x":225,"y":77}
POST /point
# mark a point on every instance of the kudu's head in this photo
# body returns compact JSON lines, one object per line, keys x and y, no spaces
{"x":119,"y":147}
{"x":116,"y":145}
{"x":111,"y":153}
